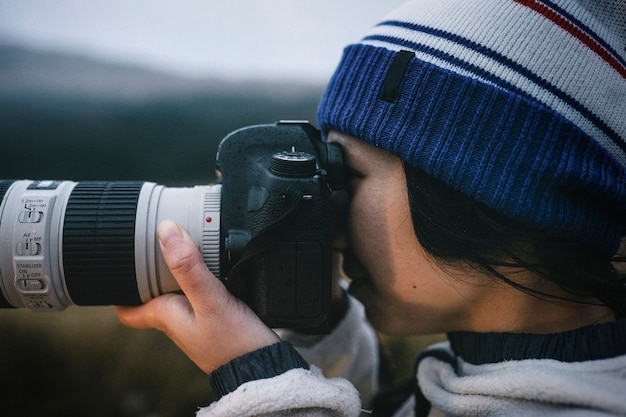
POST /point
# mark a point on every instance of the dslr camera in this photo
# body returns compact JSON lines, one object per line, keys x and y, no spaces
{"x":264,"y":229}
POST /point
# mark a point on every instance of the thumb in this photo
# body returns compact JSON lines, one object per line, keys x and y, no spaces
{"x":185,"y":262}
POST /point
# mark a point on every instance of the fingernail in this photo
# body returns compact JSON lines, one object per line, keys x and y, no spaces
{"x":169,"y":232}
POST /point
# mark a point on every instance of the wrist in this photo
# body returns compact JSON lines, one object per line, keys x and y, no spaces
{"x":263,"y":363}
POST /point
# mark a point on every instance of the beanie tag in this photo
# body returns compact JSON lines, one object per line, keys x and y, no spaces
{"x":395,"y":74}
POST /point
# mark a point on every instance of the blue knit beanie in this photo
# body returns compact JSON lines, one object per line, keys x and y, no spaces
{"x":520,"y":104}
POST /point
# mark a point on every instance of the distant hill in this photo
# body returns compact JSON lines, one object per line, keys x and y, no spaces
{"x":24,"y":71}
{"x":70,"y":117}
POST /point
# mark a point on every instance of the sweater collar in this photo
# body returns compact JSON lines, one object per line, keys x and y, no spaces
{"x":600,"y":341}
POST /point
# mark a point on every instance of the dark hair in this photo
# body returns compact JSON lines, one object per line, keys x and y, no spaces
{"x":453,"y":227}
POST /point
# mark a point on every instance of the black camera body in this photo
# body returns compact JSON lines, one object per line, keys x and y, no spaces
{"x":276,"y":220}
{"x":265,"y":230}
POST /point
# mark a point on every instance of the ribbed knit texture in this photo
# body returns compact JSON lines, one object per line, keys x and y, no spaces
{"x":594,"y":342}
{"x":519,"y":104}
{"x":262,"y":363}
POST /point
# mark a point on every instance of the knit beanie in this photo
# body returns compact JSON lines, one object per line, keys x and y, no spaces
{"x":520,"y":104}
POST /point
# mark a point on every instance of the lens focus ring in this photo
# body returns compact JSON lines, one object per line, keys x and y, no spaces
{"x":98,"y":243}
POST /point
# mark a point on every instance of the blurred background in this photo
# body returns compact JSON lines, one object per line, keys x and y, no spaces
{"x":145,"y":90}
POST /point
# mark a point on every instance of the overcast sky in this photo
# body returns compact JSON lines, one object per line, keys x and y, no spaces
{"x":297,"y":39}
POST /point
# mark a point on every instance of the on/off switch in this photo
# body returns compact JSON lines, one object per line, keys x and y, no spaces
{"x":31,"y":285}
{"x":30,"y":216}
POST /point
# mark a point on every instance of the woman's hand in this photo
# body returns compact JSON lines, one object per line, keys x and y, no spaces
{"x":209,"y":324}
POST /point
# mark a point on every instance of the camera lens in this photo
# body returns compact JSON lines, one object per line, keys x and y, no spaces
{"x":94,"y":243}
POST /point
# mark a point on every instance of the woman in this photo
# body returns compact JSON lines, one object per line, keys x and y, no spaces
{"x":486,"y":145}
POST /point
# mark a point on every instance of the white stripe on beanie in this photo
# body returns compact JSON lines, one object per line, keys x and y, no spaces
{"x":588,"y":90}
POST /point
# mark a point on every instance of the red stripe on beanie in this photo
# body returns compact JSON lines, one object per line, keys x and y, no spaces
{"x":575,"y":31}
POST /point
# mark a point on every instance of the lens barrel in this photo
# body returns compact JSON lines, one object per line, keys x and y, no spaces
{"x":94,"y":243}
{"x":4,"y":186}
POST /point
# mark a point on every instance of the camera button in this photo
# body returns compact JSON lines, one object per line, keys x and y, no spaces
{"x":28,"y":248}
{"x":31,"y":285}
{"x":30,"y":216}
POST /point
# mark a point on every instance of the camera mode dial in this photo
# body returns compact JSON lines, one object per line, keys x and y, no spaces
{"x":294,"y":164}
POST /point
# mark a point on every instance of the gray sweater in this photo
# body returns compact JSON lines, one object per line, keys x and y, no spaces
{"x":578,"y":373}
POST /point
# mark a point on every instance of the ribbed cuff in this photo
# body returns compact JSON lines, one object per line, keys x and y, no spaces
{"x":267,"y":362}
